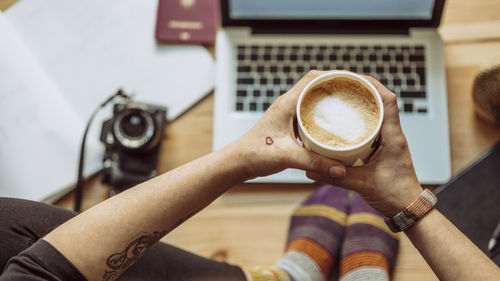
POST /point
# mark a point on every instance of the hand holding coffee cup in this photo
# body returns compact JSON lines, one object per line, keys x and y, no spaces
{"x":339,"y":116}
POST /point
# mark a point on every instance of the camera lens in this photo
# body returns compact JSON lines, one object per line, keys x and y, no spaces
{"x":134,"y":128}
{"x":133,"y":125}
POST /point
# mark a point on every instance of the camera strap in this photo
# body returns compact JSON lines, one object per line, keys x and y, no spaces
{"x":81,"y":161}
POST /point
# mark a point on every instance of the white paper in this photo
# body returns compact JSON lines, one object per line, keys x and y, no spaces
{"x":91,"y":48}
{"x":39,"y":131}
{"x":59,"y":59}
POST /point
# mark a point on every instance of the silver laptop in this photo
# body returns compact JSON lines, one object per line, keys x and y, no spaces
{"x":266,"y":46}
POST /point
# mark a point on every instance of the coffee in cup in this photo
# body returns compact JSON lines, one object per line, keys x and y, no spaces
{"x":340,"y":114}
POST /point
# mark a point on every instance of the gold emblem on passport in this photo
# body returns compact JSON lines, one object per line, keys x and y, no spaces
{"x":187,"y":3}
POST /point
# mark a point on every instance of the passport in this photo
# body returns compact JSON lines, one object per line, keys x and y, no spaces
{"x":187,"y":21}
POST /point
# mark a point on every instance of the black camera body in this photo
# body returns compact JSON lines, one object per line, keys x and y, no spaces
{"x":132,"y":138}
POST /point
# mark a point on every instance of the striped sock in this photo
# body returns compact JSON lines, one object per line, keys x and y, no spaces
{"x":314,"y":238}
{"x":316,"y":229}
{"x":369,"y":249}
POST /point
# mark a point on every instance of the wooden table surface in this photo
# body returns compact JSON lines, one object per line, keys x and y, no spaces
{"x":248,"y":225}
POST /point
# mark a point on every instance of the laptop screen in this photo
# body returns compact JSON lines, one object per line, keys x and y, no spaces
{"x":332,"y":9}
{"x":331,"y":15}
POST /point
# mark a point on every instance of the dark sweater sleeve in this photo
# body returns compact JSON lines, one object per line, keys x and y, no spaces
{"x":39,"y":262}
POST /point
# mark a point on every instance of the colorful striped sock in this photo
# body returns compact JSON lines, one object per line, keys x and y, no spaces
{"x":314,"y":238}
{"x":369,"y":248}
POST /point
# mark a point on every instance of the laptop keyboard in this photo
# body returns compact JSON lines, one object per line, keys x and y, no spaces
{"x":267,"y":71}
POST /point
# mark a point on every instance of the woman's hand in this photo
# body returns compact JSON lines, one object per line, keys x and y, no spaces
{"x":271,"y":145}
{"x":387,"y":181}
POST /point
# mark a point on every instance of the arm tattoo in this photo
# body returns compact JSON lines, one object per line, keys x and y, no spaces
{"x":269,"y":141}
{"x":119,"y":262}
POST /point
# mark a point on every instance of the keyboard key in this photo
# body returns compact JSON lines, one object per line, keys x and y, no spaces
{"x":245,"y":81}
{"x":241,"y":57}
{"x":408,"y":107}
{"x":266,"y":105}
{"x":400,"y":58}
{"x":419,"y":48}
{"x":379,"y":69}
{"x":267,"y":57}
{"x":373,"y":58}
{"x":396,"y":82}
{"x":300,"y":69}
{"x":412,"y":94}
{"x":422,"y":110}
{"x":332,"y":57}
{"x":289,"y":81}
{"x":276,"y":81}
{"x":273,"y":69}
{"x":393,"y":69}
{"x":260,"y":68}
{"x":244,"y":68}
{"x":346,"y":57}
{"x":239,"y":106}
{"x":320,"y":57}
{"x":254,"y":57}
{"x":270,"y":93}
{"x":406,"y":69}
{"x":360,"y":57}
{"x":280,"y":57}
{"x":253,"y":106}
{"x":416,"y":58}
{"x":256,"y":93}
{"x":386,"y":58}
{"x":287,"y":69}
{"x":366,"y":69}
{"x":410,"y":82}
{"x":293,"y":57}
{"x":421,"y":74}
{"x":306,"y":57}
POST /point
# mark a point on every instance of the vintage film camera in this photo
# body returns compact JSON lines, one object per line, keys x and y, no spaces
{"x":132,"y":138}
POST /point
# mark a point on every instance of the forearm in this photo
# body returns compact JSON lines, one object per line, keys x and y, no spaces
{"x":105,"y":237}
{"x":451,"y":255}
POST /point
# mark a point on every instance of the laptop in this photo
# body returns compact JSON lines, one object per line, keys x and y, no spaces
{"x":266,"y":46}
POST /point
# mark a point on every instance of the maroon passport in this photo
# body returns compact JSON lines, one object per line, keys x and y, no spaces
{"x":187,"y":21}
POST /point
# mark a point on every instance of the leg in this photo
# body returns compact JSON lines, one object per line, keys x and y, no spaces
{"x":314,"y":239}
{"x":23,"y":222}
{"x":369,"y":248}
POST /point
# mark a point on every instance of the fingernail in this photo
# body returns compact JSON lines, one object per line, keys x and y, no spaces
{"x":337,"y":171}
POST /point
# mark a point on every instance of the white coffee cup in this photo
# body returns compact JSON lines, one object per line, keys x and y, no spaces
{"x":351,"y":155}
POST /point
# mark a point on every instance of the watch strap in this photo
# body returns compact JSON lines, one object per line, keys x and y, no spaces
{"x":413,"y":212}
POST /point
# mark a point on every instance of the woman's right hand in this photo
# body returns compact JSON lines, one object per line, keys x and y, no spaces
{"x":387,"y":181}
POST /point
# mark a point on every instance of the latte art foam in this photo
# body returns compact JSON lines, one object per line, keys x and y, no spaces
{"x":339,"y":113}
{"x":339,"y":118}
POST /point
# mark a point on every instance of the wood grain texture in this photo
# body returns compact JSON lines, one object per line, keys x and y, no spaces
{"x":248,"y":225}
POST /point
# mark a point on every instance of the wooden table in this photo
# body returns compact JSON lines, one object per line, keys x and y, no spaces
{"x":248,"y":225}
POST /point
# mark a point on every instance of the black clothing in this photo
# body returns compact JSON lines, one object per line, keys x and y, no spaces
{"x":24,"y":256}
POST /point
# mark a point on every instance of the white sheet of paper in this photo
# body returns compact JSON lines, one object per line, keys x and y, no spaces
{"x":91,"y":48}
{"x":39,"y":131}
{"x":59,"y":59}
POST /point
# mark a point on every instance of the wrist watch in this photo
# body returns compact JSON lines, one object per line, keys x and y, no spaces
{"x":413,"y":212}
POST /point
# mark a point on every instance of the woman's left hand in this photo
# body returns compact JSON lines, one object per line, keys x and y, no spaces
{"x":271,"y":145}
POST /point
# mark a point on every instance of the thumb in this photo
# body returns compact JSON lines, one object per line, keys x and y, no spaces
{"x":304,"y":159}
